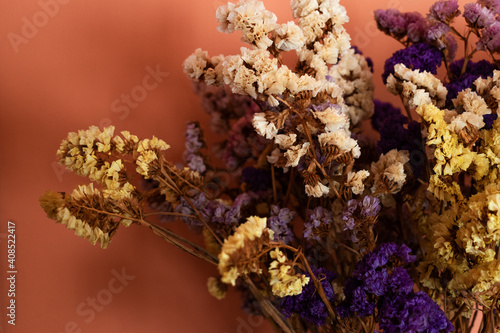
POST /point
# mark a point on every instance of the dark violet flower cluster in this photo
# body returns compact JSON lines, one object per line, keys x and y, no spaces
{"x":360,"y":210}
{"x":398,"y":133}
{"x":412,"y":312}
{"x":315,"y":219}
{"x":194,"y":142}
{"x":279,"y":222}
{"x":256,"y":179}
{"x":308,"y":304}
{"x":489,"y":119}
{"x":421,"y":56}
{"x":382,"y":112}
{"x":458,"y":82}
{"x":380,"y":282}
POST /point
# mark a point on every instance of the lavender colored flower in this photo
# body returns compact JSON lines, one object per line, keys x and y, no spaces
{"x":279,"y":222}
{"x":444,"y":10}
{"x":348,"y":214}
{"x":370,"y":206}
{"x":490,"y":38}
{"x":489,"y":119}
{"x":308,"y":304}
{"x":358,"y":210}
{"x":413,"y":312}
{"x":478,"y":16}
{"x":315,"y":219}
{"x":436,"y":35}
{"x":199,"y":201}
{"x":400,"y":25}
{"x":421,"y":56}
{"x":194,"y":142}
{"x":493,"y":5}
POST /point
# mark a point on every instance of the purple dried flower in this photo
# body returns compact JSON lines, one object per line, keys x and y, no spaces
{"x":279,"y":222}
{"x":436,"y":35}
{"x":478,"y":16}
{"x":315,"y":219}
{"x":493,"y":5}
{"x":382,"y":112}
{"x":490,"y":38}
{"x":489,"y":119}
{"x":370,"y":206}
{"x":420,"y":56}
{"x":459,"y":82}
{"x":413,"y":312}
{"x":444,"y":10}
{"x":308,"y":304}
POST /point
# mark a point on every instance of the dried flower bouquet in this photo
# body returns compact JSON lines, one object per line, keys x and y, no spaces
{"x":321,"y":228}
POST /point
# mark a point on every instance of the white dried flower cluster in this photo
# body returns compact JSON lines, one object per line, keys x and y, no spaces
{"x":388,"y":171}
{"x":251,"y":18}
{"x":355,"y":78}
{"x":415,"y":87}
{"x":469,"y":111}
{"x":355,"y":180}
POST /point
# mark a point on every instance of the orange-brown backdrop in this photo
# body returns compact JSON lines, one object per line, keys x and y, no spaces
{"x":64,"y":66}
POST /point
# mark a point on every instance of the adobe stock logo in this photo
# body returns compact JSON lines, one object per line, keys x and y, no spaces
{"x":30,"y":27}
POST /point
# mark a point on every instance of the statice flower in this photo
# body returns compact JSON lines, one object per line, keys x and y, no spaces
{"x":400,"y":25}
{"x":308,"y":304}
{"x":279,"y":222}
{"x":489,"y":119}
{"x":473,"y":70}
{"x":421,"y":56}
{"x":317,"y":218}
{"x":377,"y":275}
{"x":490,"y":39}
{"x":382,"y":112}
{"x":478,"y":16}
{"x":444,"y":10}
{"x":360,"y":210}
{"x":412,"y":312}
{"x":194,"y":142}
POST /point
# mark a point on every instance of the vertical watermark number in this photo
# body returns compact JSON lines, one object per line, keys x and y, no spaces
{"x":11,"y":272}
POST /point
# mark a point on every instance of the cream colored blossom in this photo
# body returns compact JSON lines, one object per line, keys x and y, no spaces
{"x":283,"y":280}
{"x":289,"y":37}
{"x":264,"y":127}
{"x":317,"y":190}
{"x":355,"y":181}
{"x":302,"y":8}
{"x":389,"y":171}
{"x":342,"y":141}
{"x":295,"y":153}
{"x":195,"y":64}
{"x":285,"y":141}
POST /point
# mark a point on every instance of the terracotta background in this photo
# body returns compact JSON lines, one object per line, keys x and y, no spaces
{"x":64,"y":76}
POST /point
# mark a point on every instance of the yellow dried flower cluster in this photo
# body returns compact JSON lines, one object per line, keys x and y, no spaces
{"x":238,"y":252}
{"x":100,"y":155}
{"x":463,"y":231}
{"x":283,"y":279}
